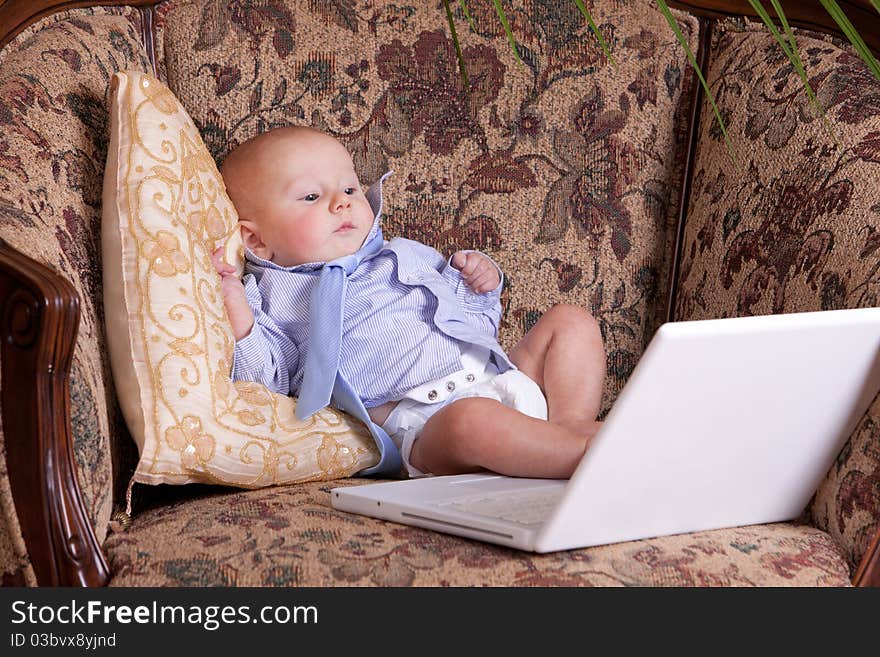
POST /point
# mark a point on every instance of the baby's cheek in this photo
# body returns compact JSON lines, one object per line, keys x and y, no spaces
{"x":366,"y":212}
{"x":302,"y":243}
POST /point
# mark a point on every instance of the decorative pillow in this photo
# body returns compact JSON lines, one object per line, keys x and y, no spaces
{"x":165,"y":210}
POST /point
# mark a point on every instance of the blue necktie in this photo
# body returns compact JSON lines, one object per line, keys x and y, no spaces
{"x":321,"y":378}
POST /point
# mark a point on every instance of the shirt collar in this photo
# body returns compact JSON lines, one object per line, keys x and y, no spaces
{"x":374,"y":198}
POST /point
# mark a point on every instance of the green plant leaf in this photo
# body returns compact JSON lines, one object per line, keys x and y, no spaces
{"x":852,"y":34}
{"x":467,"y":14}
{"x":503,"y":18}
{"x":592,"y":24}
{"x":789,"y":47}
{"x":458,"y":55}
{"x":876,"y":4}
{"x":693,"y":61}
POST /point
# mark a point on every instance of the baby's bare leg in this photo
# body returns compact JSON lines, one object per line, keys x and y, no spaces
{"x":565,"y":355}
{"x":475,"y":433}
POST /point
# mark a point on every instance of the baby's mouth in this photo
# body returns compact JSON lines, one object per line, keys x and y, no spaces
{"x":345,"y":227}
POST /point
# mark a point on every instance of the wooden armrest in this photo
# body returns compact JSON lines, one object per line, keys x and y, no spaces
{"x":868,"y":572}
{"x":40,"y":315}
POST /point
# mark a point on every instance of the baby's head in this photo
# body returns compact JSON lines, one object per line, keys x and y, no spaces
{"x":298,"y":197}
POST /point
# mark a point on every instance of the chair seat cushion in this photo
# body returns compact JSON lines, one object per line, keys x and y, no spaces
{"x":291,"y":536}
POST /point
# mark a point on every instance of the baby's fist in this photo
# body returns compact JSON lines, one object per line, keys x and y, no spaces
{"x":477,"y":270}
{"x":223,"y":268}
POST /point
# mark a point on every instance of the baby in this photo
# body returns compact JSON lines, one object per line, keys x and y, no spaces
{"x":418,"y":340}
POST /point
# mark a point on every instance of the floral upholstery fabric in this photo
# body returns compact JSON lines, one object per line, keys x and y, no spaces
{"x":291,"y":536}
{"x":794,"y":225}
{"x":565,"y":171}
{"x":847,"y":504}
{"x":53,"y":132}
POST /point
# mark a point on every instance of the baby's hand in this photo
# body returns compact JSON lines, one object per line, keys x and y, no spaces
{"x":223,"y":268}
{"x":234,"y":297}
{"x":480,"y":274}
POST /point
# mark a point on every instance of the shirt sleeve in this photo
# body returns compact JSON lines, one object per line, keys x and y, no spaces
{"x":265,"y":355}
{"x":472,"y":301}
{"x":482,"y":311}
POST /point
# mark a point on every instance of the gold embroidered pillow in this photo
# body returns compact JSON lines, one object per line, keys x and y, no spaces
{"x":165,"y":210}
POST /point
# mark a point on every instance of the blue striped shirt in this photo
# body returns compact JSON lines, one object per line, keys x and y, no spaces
{"x":407,"y":313}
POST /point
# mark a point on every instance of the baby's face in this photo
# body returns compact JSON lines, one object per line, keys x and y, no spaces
{"x":304,"y":200}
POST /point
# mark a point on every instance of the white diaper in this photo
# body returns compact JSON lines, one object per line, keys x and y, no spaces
{"x":476,"y":379}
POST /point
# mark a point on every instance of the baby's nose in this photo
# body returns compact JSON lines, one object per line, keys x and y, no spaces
{"x":341,"y":202}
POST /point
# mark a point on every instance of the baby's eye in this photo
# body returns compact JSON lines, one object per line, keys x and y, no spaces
{"x":310,"y":197}
{"x":350,"y":190}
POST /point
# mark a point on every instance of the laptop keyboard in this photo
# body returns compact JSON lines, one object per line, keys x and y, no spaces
{"x":530,"y":507}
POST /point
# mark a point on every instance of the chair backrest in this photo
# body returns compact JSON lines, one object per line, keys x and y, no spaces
{"x":566,"y":171}
{"x":793,"y":225}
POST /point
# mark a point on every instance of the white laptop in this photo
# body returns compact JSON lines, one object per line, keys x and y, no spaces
{"x":723,"y":423}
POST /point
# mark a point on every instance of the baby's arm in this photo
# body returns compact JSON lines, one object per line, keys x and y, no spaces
{"x":263,"y":353}
{"x":234,"y":297}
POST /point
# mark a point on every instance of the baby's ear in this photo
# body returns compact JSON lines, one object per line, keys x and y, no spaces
{"x":250,"y":237}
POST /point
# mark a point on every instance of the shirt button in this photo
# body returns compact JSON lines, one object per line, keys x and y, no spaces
{"x":450,"y":386}
{"x":470,"y":378}
{"x":432,"y":395}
